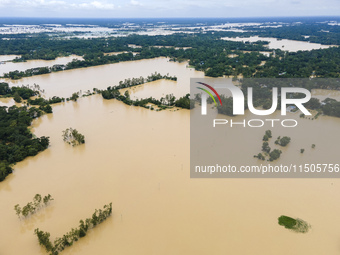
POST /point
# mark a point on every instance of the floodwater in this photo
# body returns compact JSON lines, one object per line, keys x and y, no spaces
{"x":7,"y":57}
{"x":322,"y":94}
{"x":159,"y":89}
{"x":64,"y":83}
{"x":8,"y":101}
{"x":284,"y":44}
{"x":138,"y":159}
{"x":22,"y":66}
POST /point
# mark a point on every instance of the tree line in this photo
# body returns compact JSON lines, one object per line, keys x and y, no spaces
{"x":32,"y":207}
{"x":60,"y":243}
{"x":112,"y":92}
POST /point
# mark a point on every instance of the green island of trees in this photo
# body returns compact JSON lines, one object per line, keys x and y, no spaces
{"x":284,"y":141}
{"x":296,"y":225}
{"x":32,"y":207}
{"x":60,"y":243}
{"x":274,"y":155}
{"x":73,"y":137}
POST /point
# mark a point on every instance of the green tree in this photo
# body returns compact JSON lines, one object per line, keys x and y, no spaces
{"x":17,"y":97}
{"x":275,"y":154}
{"x":74,"y":97}
{"x":269,"y":133}
{"x":17,"y":209}
{"x":73,"y":137}
{"x":260,"y":156}
{"x":265,"y":147}
{"x":127,"y":94}
{"x":44,"y":239}
{"x":37,"y":200}
{"x":284,"y":141}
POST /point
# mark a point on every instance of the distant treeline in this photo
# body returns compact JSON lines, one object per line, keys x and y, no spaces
{"x":207,"y":53}
{"x":315,"y":32}
{"x":89,"y":60}
{"x":41,"y":46}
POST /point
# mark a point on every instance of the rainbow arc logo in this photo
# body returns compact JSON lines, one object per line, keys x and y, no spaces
{"x":209,"y":93}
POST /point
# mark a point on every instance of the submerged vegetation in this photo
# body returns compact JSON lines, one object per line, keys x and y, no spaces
{"x":169,"y":100}
{"x":113,"y":91}
{"x":60,"y":243}
{"x":267,"y":151}
{"x":73,"y":137}
{"x":32,"y":207}
{"x":284,"y":141}
{"x":297,"y":225}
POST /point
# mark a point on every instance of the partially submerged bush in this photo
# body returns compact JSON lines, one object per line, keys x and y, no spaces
{"x":73,"y":137}
{"x":297,"y":225}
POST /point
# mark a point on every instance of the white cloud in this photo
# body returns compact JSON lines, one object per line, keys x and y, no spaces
{"x":43,"y":3}
{"x":99,"y":5}
{"x":135,"y":3}
{"x":167,"y":8}
{"x":95,"y":4}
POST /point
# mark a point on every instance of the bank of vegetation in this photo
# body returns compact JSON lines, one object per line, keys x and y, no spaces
{"x":168,"y":101}
{"x":25,"y":93}
{"x":16,"y":140}
{"x":68,"y":239}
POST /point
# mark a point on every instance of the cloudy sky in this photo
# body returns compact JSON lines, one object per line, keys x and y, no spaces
{"x":167,"y":8}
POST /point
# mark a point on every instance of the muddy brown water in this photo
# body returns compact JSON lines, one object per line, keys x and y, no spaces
{"x":138,"y":159}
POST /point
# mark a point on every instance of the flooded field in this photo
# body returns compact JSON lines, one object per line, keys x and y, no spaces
{"x":139,"y":159}
{"x":7,"y":58}
{"x":284,"y":44}
{"x":64,"y":83}
{"x":322,"y":94}
{"x":22,"y":66}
